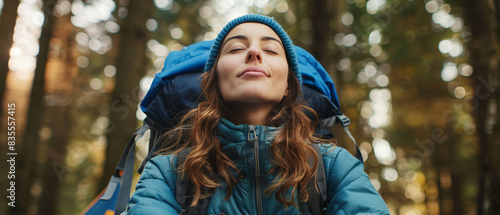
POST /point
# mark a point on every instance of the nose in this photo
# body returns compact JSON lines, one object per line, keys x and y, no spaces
{"x":254,"y":55}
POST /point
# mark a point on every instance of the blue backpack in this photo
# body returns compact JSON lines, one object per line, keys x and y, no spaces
{"x":176,"y":89}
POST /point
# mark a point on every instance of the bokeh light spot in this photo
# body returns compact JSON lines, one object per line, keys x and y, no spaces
{"x":163,"y":4}
{"x":145,"y":83}
{"x":349,"y":40}
{"x":282,"y":7}
{"x":383,"y":151}
{"x":376,"y":51}
{"x":339,"y":38}
{"x":347,"y":18}
{"x":176,"y":33}
{"x":370,"y":69}
{"x":362,"y":78}
{"x":82,"y":61}
{"x":376,"y":184}
{"x":344,"y":63}
{"x":96,"y":84}
{"x":466,"y":70}
{"x":112,"y":27}
{"x":445,"y":46}
{"x":109,"y":71}
{"x":431,"y":6}
{"x":375,"y":37}
{"x":459,"y":92}
{"x":16,"y":52}
{"x":94,"y":44}
{"x":389,"y":174}
{"x":449,"y":72}
{"x":151,"y":24}
{"x":382,"y":80}
{"x":157,"y":49}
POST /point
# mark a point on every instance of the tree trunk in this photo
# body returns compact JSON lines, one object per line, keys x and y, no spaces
{"x":7,"y":22}
{"x":321,"y":15}
{"x":495,"y":187}
{"x":62,"y":70}
{"x":130,"y":66}
{"x":27,"y":165}
{"x":456,"y":174}
{"x":441,"y":167}
{"x":480,"y":17}
{"x":54,"y":168}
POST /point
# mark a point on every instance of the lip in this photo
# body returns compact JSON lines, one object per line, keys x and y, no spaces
{"x":253,"y":70}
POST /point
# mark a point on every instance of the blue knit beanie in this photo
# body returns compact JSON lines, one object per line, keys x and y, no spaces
{"x":285,"y":39}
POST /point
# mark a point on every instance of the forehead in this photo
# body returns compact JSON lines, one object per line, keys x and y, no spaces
{"x":251,"y":29}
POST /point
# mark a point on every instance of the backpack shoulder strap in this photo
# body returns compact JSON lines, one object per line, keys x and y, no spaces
{"x":345,"y":121}
{"x":317,"y":201}
{"x":127,"y":165}
{"x":183,"y":193}
{"x":181,"y":186}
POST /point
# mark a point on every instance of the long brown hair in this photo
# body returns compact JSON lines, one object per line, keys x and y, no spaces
{"x":291,"y":151}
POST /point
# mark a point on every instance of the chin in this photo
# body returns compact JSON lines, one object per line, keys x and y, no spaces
{"x":254,"y":100}
{"x":254,"y":95}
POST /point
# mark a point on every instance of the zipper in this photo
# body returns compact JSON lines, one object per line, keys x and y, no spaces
{"x":258,"y":190}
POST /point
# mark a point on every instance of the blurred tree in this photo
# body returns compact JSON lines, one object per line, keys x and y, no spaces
{"x":322,"y":14}
{"x":496,"y":129}
{"x":60,"y":78}
{"x":183,"y":15}
{"x":130,"y":65}
{"x":480,"y":17}
{"x":27,"y":164}
{"x":399,"y":40}
{"x":7,"y":22}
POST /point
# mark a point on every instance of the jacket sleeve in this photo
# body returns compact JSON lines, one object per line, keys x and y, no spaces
{"x":349,"y":189}
{"x":155,"y":191}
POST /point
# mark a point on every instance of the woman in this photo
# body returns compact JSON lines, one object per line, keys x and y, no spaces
{"x":251,"y":140}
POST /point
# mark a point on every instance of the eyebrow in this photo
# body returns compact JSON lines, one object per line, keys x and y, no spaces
{"x":268,"y":38}
{"x":243,"y":37}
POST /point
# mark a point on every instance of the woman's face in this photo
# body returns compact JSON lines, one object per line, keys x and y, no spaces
{"x":252,"y":66}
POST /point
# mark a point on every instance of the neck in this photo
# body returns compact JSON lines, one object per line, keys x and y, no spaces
{"x":250,"y":114}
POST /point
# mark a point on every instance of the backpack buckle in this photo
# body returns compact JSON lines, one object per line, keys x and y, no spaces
{"x":344,"y":120}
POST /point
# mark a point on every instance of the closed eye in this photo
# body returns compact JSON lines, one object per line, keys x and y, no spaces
{"x":271,"y":51}
{"x":235,"y":50}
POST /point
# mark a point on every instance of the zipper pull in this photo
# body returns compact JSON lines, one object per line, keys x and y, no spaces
{"x":252,"y":135}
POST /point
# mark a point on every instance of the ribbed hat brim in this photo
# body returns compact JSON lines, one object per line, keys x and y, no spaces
{"x":285,"y":39}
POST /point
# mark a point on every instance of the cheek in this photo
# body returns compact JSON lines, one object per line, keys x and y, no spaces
{"x":282,"y":75}
{"x":223,"y":79}
{"x":225,"y":68}
{"x":221,"y":82}
{"x":280,"y":65}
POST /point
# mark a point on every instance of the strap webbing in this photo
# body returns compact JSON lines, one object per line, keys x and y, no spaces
{"x":321,"y":174}
{"x":359,"y":156}
{"x":113,"y":183}
{"x":345,"y":121}
{"x":183,"y":192}
{"x":317,"y":201}
{"x":127,"y":165}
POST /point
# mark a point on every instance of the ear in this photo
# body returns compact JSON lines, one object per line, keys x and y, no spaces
{"x":286,"y":92}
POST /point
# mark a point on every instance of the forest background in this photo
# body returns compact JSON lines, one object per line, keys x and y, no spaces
{"x":418,"y":78}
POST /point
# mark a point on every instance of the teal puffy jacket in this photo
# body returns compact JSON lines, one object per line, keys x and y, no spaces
{"x":349,"y":189}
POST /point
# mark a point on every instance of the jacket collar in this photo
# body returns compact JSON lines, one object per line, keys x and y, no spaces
{"x":229,"y":133}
